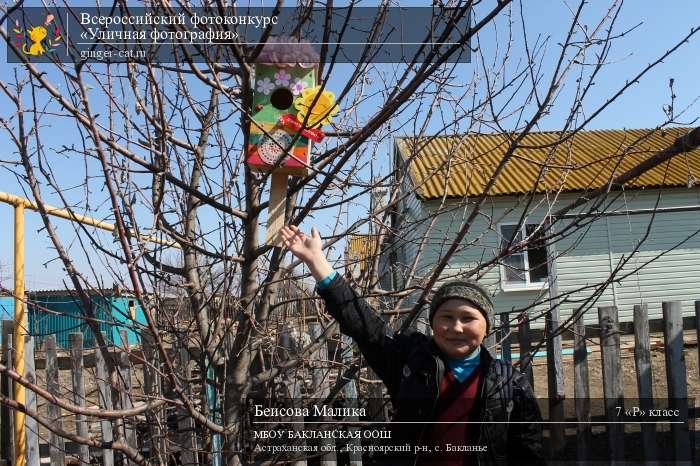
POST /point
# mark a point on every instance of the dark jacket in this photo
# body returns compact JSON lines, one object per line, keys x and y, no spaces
{"x":412,"y":367}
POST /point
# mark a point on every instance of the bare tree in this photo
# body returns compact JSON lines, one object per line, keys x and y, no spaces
{"x":162,"y":149}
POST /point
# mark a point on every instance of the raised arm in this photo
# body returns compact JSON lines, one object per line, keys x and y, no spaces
{"x":379,"y":345}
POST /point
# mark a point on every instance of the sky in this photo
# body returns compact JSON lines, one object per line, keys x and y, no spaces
{"x":651,"y":29}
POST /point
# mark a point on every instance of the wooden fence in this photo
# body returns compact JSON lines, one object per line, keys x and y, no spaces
{"x":613,"y":419}
{"x":154,"y":428}
{"x":57,"y":372}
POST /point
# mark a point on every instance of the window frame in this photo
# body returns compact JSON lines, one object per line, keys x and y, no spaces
{"x":523,"y":286}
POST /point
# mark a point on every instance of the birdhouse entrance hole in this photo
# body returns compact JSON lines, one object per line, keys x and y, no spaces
{"x":282,"y":98}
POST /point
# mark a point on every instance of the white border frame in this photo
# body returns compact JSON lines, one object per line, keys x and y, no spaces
{"x":528,"y":285}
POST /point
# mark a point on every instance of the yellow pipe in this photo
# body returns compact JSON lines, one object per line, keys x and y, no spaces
{"x":18,"y":338}
{"x":70,"y":215}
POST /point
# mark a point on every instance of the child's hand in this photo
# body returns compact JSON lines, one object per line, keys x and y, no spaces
{"x":307,"y":248}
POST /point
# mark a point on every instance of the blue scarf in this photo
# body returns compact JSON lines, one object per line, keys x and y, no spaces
{"x":463,"y":368}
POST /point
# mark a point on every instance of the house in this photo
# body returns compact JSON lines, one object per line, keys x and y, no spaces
{"x":60,"y":312}
{"x":7,"y":306}
{"x":639,"y":244}
{"x":360,"y":252}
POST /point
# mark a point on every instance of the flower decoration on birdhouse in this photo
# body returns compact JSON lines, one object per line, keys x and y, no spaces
{"x":265,"y":86}
{"x":298,"y":87}
{"x":282,"y":78}
{"x":316,"y":107}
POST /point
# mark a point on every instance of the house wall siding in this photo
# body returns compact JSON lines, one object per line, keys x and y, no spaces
{"x":586,"y":257}
{"x":407,"y":245}
{"x":667,"y":263}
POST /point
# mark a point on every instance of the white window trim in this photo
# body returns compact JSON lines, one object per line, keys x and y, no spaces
{"x":528,"y":286}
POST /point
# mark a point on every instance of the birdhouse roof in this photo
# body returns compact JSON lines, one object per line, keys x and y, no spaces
{"x":287,"y":51}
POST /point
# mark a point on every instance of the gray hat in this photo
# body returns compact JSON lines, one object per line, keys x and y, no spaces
{"x":468,"y":290}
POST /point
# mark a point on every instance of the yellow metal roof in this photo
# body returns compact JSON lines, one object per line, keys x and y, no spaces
{"x":462,"y":165}
{"x":362,"y":249}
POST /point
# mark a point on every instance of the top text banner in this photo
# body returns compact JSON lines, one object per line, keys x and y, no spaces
{"x":174,"y":35}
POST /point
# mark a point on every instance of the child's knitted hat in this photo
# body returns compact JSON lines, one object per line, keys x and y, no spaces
{"x":464,"y":289}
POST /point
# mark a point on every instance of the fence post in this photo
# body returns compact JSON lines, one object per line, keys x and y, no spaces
{"x":127,"y":403}
{"x":7,"y":391}
{"x":555,"y":366}
{"x":152,"y":387}
{"x":642,"y":361}
{"x":506,"y":337}
{"x":350,"y":392}
{"x":57,"y":447}
{"x":581,"y":391}
{"x":105,"y":402}
{"x":319,"y":376}
{"x":78,"y":384}
{"x":676,"y":378}
{"x":32,"y":427}
{"x":697,"y":331}
{"x":293,"y":382}
{"x":697,"y":348}
{"x":612,"y":388}
{"x":10,"y":387}
{"x":319,"y":380}
{"x":555,"y":383}
{"x":185,"y":425}
{"x":525,"y":347}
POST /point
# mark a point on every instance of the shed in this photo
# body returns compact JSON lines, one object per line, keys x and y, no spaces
{"x":360,"y":252}
{"x":60,"y":312}
{"x":642,"y":245}
{"x":7,"y":307}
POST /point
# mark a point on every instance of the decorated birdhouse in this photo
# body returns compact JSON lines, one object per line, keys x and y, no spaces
{"x":288,"y":111}
{"x":279,"y":140}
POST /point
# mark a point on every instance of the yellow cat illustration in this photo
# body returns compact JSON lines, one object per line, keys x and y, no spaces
{"x":36,"y":35}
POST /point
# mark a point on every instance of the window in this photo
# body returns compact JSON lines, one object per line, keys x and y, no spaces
{"x":526,"y":268}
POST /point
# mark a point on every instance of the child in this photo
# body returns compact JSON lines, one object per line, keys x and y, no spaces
{"x":449,"y":394}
